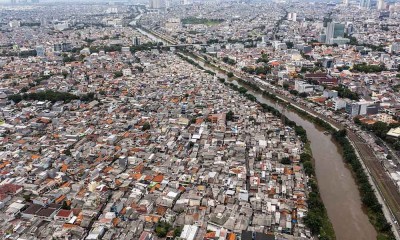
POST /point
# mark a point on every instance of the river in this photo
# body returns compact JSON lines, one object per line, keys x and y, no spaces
{"x":337,"y":186}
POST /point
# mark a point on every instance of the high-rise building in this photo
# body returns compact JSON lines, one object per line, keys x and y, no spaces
{"x":334,"y":30}
{"x":136,"y":41}
{"x":349,"y":28}
{"x":346,"y":2}
{"x":40,"y":51}
{"x":292,"y":17}
{"x":157,"y":4}
{"x":395,"y":48}
{"x":381,"y":4}
{"x":14,"y":23}
{"x":365,"y":4}
{"x":62,"y":47}
{"x":186,"y":2}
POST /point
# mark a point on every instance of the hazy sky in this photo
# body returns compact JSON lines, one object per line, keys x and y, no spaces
{"x":49,"y":1}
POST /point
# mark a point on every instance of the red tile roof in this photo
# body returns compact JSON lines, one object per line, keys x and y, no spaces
{"x":64,"y":213}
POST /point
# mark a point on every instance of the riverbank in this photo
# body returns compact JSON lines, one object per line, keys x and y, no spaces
{"x":368,"y":197}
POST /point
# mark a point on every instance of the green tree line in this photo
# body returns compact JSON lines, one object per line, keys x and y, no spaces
{"x":367,"y":68}
{"x":50,"y":95}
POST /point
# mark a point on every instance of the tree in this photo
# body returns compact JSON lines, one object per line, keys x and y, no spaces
{"x":229,"y":116}
{"x":161,"y":232}
{"x":190,"y":145}
{"x":285,"y":86}
{"x":344,"y":92}
{"x":118,"y":74}
{"x":305,"y":157}
{"x":67,"y":58}
{"x":146,"y":126}
{"x":27,"y":198}
{"x":289,"y":45}
{"x":263,"y":58}
{"x":242,"y":90}
{"x":303,"y":95}
{"x":193,"y":121}
{"x":178,"y":231}
{"x":313,"y":221}
{"x":66,"y":206}
{"x":162,"y":229}
{"x":363,"y":67}
{"x":230,"y":74}
{"x":285,"y":161}
{"x":308,"y":168}
{"x":380,"y":129}
{"x":67,"y":152}
{"x":65,"y":74}
{"x":24,"y":90}
{"x":396,"y":145}
{"x":357,"y":121}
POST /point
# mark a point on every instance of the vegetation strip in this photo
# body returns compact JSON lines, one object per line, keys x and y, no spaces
{"x":52,"y":96}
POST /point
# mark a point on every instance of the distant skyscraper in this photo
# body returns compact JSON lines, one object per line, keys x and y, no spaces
{"x":365,"y":4}
{"x":40,"y":51}
{"x":380,"y":4}
{"x":292,"y":17}
{"x":334,"y":30}
{"x":346,"y":2}
{"x":186,"y":2}
{"x":136,"y":41}
{"x":350,"y":28}
{"x":157,"y":4}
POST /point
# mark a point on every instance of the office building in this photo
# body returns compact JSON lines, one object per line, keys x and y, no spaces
{"x":186,"y":2}
{"x":365,"y":4}
{"x":361,"y":108}
{"x":136,"y":41}
{"x":395,"y":47}
{"x":346,"y":2}
{"x":334,"y":30}
{"x":381,"y":5}
{"x":40,"y":51}
{"x":62,"y":47}
{"x":352,"y":108}
{"x":157,"y":4}
{"x":340,"y":41}
{"x":302,"y":86}
{"x":338,"y":103}
{"x":292,"y":17}
{"x":14,"y":24}
{"x":349,"y":28}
